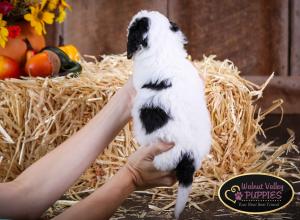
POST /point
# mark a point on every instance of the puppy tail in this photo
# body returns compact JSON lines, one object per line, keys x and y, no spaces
{"x":184,"y":171}
{"x":182,"y":198}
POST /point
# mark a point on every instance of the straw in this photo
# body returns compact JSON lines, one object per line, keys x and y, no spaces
{"x":37,"y":114}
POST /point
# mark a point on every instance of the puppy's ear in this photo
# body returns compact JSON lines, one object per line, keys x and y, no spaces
{"x":173,"y":26}
{"x":137,"y":36}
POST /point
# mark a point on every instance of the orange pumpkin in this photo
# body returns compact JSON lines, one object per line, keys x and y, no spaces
{"x":43,"y":64}
{"x":16,"y":48}
{"x":8,"y":68}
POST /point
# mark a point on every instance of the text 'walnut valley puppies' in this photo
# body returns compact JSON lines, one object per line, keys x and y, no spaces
{"x":170,"y":104}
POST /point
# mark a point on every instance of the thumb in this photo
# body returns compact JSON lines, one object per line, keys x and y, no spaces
{"x":168,"y":181}
{"x":159,"y":148}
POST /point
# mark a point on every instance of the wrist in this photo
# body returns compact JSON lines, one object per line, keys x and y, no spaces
{"x":128,"y":178}
{"x":124,"y":101}
{"x":129,"y":93}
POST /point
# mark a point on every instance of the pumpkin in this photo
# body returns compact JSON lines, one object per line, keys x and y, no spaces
{"x":71,"y":51}
{"x":51,"y":61}
{"x":43,"y":64}
{"x":17,"y":48}
{"x":9,"y":68}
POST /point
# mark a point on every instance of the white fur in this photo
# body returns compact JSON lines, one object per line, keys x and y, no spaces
{"x":190,"y":126}
{"x":183,"y":195}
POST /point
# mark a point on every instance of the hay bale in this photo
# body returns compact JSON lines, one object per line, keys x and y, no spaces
{"x":37,"y":114}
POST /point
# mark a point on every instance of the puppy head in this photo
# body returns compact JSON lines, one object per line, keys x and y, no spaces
{"x":150,"y":31}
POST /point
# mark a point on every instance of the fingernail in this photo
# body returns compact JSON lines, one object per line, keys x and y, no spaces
{"x":166,"y":143}
{"x":170,"y":144}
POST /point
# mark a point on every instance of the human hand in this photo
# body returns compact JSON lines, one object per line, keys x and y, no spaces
{"x":129,"y":92}
{"x":123,"y":101}
{"x":144,"y":174}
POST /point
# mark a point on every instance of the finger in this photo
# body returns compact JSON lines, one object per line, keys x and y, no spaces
{"x":173,"y":177}
{"x":162,"y":174}
{"x":159,"y":148}
{"x":173,"y":173}
{"x":168,"y":181}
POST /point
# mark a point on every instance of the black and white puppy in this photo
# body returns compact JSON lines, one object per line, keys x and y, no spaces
{"x":170,"y":103}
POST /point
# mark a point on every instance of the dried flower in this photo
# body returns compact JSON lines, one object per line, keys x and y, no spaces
{"x":14,"y":31}
{"x":3,"y":32}
{"x":62,"y":11}
{"x":37,"y":12}
{"x":38,"y":17}
{"x":52,"y":4}
{"x":5,"y":7}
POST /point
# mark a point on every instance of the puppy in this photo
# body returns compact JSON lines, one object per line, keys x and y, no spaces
{"x":170,"y":103}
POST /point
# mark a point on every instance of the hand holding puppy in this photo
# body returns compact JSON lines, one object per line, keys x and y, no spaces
{"x":144,"y":174}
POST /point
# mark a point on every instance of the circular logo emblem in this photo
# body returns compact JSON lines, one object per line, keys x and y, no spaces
{"x":256,"y":193}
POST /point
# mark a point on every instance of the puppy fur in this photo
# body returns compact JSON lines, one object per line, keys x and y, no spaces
{"x":170,"y":104}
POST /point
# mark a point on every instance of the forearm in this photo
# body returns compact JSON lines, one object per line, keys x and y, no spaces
{"x":47,"y":179}
{"x":139,"y":171}
{"x":104,"y":201}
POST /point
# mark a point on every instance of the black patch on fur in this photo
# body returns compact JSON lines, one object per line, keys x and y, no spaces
{"x":153,"y":118}
{"x":173,"y":26}
{"x":158,"y":85}
{"x":185,"y":170}
{"x":136,"y":36}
